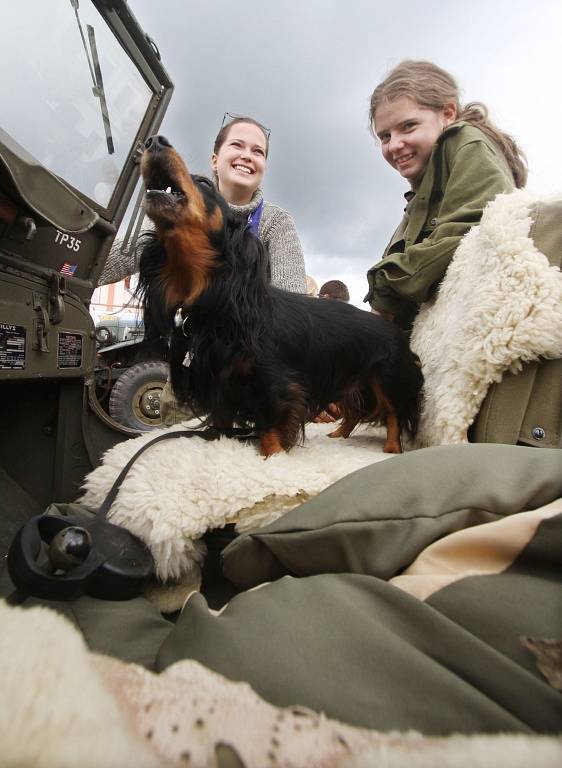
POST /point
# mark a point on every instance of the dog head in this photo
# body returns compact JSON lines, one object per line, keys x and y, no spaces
{"x":175,"y":198}
{"x":190,"y":220}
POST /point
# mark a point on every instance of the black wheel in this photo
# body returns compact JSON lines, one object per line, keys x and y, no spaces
{"x":135,"y":396}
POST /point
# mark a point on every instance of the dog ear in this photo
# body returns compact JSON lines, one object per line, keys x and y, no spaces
{"x":244,"y":266}
{"x":251,"y":256}
{"x":150,"y":290}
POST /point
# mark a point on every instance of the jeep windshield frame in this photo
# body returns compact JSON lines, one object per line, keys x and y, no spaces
{"x":66,"y":131}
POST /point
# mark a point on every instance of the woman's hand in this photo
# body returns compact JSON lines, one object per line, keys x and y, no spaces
{"x":381,"y":313}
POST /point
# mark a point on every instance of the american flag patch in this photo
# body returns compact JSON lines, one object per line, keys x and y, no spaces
{"x":68,"y":268}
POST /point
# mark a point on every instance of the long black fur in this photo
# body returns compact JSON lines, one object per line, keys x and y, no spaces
{"x":260,"y":356}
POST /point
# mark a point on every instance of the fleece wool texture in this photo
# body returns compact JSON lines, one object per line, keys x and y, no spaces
{"x":499,"y":306}
{"x":177,"y":491}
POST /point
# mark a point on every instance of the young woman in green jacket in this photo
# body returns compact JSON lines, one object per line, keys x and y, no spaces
{"x":455,"y":161}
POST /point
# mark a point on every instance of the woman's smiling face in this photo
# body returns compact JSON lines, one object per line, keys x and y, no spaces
{"x":240,"y":162}
{"x":408,"y":133}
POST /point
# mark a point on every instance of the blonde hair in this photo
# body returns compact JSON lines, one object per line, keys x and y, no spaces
{"x":432,"y":87}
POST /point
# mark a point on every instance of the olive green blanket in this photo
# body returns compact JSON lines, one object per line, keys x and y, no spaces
{"x":332,"y":633}
{"x":423,"y":592}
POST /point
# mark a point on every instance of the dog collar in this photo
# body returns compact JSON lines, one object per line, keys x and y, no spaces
{"x":180,"y":321}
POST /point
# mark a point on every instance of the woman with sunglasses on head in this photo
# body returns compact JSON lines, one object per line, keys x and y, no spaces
{"x":239,"y":162}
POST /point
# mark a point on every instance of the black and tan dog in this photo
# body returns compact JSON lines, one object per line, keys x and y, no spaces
{"x":245,"y":353}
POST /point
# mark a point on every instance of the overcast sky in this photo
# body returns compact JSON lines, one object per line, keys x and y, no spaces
{"x":306,"y":69}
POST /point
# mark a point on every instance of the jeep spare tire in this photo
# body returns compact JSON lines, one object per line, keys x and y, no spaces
{"x":135,"y":396}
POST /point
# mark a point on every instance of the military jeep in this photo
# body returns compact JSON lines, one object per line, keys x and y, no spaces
{"x":87,"y":90}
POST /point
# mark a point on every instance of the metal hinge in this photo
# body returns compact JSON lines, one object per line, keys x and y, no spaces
{"x":52,"y":314}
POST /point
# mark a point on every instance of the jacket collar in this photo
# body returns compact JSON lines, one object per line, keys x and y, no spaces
{"x":424,"y":191}
{"x":243,"y":211}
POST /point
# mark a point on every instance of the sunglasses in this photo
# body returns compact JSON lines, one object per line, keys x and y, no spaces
{"x":230,"y":116}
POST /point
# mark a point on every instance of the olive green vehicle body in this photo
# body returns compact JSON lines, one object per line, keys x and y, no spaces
{"x":55,"y":236}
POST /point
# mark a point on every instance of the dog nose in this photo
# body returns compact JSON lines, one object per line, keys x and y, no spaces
{"x":156,"y":143}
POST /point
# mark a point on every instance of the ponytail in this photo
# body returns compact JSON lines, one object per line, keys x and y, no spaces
{"x":476,"y":113}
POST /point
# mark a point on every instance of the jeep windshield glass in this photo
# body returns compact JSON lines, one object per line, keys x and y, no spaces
{"x":51,"y":105}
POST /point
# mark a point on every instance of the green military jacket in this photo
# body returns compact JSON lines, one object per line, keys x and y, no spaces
{"x":465,"y":171}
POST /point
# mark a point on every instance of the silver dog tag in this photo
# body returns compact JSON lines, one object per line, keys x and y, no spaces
{"x":178,"y":318}
{"x":188,"y":358}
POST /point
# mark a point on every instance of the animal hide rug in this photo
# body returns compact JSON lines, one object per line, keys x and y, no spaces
{"x":499,"y":305}
{"x":178,"y":490}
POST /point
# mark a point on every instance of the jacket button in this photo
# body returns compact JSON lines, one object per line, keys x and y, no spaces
{"x":433,"y":222}
{"x":538,"y":433}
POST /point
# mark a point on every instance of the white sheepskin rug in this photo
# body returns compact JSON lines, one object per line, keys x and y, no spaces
{"x":178,"y":490}
{"x":500,"y":305}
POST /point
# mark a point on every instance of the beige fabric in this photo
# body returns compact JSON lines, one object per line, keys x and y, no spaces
{"x":483,"y":549}
{"x":192,"y":716}
{"x":188,"y":710}
{"x":502,"y":751}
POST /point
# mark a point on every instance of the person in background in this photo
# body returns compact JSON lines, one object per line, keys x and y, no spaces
{"x":334,"y":289}
{"x":311,"y":286}
{"x":454,"y":160}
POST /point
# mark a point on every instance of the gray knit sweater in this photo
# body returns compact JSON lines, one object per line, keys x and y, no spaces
{"x":276,"y":231}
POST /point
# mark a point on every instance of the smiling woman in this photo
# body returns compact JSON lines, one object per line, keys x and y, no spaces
{"x":239,"y":159}
{"x":455,"y":160}
{"x":462,"y":171}
{"x":239,"y":162}
{"x":408,"y":132}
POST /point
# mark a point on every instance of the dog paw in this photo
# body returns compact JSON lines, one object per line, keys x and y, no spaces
{"x":392,"y":447}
